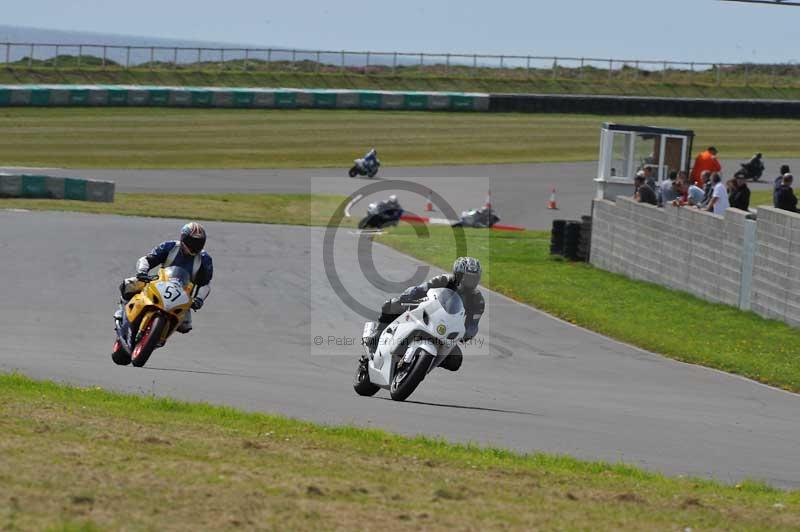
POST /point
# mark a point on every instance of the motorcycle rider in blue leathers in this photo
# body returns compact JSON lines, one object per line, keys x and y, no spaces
{"x":186,"y":253}
{"x":464,"y":280}
{"x":371,"y":159}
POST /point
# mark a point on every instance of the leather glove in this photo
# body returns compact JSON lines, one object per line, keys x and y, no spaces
{"x":197,"y":303}
{"x":143,"y":276}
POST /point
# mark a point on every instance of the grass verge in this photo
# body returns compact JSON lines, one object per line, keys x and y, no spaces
{"x":246,"y":138}
{"x":664,"y":321}
{"x":676,"y":85}
{"x":77,"y":458}
{"x":290,"y":209}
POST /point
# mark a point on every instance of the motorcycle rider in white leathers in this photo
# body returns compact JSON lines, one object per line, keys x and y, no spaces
{"x":464,"y":280}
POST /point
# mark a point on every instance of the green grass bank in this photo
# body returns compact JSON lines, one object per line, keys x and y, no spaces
{"x":88,"y":459}
{"x":230,"y":138}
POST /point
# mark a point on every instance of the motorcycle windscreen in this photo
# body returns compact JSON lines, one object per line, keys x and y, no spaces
{"x":451,"y":302}
{"x":178,"y":275}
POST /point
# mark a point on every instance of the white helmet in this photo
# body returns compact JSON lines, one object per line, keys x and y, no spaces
{"x":392,"y":199}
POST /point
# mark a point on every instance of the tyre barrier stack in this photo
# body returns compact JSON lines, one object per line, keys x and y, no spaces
{"x":571,"y":238}
{"x":252,"y":98}
{"x":642,"y":105}
{"x":48,"y":187}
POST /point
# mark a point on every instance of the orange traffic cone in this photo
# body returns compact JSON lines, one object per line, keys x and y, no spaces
{"x":429,"y":203}
{"x":552,"y":203}
{"x":488,"y":204}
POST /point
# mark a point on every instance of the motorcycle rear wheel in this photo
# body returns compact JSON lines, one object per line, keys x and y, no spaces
{"x":406,"y":380}
{"x":147,"y":344}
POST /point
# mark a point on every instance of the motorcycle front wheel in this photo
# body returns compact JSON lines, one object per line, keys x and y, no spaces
{"x":407,"y":379}
{"x":353,"y":171}
{"x":147,"y":344}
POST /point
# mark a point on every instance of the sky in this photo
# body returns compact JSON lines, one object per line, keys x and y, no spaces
{"x":686,"y":30}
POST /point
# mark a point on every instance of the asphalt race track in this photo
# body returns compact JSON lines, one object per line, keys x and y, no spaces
{"x":544,"y":386}
{"x":519,"y":191}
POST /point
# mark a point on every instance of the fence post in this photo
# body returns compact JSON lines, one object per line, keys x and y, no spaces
{"x":555,"y":68}
{"x":447,"y":65}
{"x":746,"y":74}
{"x":80,"y":54}
{"x":246,"y":59}
{"x":152,"y":57}
{"x":175,"y":58}
{"x":127,"y":57}
{"x":294,"y":59}
{"x":664,"y":71}
{"x":580,"y":72}
{"x":8,"y":53}
{"x":342,"y":64}
{"x":394,"y":62}
{"x":222,"y":58}
{"x":319,"y":61}
{"x":528,"y":65}
{"x":366,"y":65}
{"x":269,"y":57}
{"x":421,"y":59}
{"x":502,"y":58}
{"x":199,"y":57}
{"x":30,"y":58}
{"x":719,"y":74}
{"x":774,"y":75}
{"x":55,"y":58}
{"x":105,"y":53}
{"x":610,"y":68}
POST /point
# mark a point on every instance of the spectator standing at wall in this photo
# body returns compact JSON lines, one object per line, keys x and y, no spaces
{"x":786,"y":199}
{"x":643,"y":193}
{"x":670,"y":190}
{"x":708,"y":188}
{"x":691,"y":194}
{"x":719,"y":197}
{"x":778,"y":182}
{"x":706,"y":161}
{"x":740,"y":199}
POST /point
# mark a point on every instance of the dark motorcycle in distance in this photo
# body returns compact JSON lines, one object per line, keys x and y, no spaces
{"x":754,"y":168}
{"x":379,"y":216}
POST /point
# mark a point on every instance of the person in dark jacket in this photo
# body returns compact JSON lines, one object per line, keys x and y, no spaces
{"x":643,"y":193}
{"x":785,"y":198}
{"x":778,"y":182}
{"x":740,"y":199}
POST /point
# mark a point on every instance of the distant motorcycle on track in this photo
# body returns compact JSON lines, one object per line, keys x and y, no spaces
{"x":367,"y":165}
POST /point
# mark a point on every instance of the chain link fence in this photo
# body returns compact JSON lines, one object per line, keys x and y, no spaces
{"x":588,"y":69}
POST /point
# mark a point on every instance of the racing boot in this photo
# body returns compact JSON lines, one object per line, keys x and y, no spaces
{"x":186,"y":325}
{"x":453,"y":360}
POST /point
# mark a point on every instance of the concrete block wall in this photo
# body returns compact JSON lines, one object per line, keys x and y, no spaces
{"x":704,"y":254}
{"x":776,"y":267}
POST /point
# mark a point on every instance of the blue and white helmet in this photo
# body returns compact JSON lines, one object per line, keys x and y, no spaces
{"x":193,"y":238}
{"x":467,"y":271}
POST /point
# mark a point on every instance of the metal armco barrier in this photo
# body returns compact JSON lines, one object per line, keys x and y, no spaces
{"x":42,"y":186}
{"x":256,"y":98}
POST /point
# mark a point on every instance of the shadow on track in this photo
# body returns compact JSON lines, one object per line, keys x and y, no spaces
{"x":465,"y":407}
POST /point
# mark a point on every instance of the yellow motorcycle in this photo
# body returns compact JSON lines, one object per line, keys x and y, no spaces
{"x":152,"y":315}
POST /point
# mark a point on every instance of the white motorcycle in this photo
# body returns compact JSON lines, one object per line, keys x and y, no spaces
{"x":412,"y":345}
{"x":362,"y":167}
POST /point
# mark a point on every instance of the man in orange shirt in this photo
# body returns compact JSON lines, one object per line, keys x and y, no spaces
{"x":705,"y":161}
